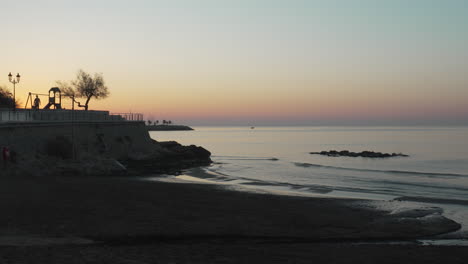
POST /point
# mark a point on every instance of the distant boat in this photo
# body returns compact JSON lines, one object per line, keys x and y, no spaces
{"x":252,"y":127}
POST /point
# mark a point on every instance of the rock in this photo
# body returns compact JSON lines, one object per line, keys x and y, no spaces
{"x":364,"y":154}
{"x":191,"y":151}
{"x":171,"y":158}
{"x":167,"y":144}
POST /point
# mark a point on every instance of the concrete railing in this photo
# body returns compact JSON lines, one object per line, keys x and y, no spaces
{"x":29,"y":115}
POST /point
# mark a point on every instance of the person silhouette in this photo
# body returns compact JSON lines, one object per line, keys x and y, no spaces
{"x":6,"y":156}
{"x":37,"y":102}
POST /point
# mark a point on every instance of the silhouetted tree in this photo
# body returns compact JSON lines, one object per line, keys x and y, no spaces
{"x":156,"y":122}
{"x":149,"y":122}
{"x":6,"y":98}
{"x":67,"y":90}
{"x":85,"y":86}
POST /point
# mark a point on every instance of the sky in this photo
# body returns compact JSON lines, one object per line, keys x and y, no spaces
{"x":250,"y":62}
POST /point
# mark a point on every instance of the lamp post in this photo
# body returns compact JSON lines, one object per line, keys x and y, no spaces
{"x":14,"y":81}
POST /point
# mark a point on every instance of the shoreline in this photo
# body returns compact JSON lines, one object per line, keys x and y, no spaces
{"x":405,"y":206}
{"x":208,"y":196}
{"x":125,"y":214}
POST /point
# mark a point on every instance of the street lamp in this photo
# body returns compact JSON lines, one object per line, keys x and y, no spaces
{"x":14,"y":82}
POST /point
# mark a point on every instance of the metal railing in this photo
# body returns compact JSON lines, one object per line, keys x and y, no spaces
{"x":30,"y":115}
{"x":130,"y":116}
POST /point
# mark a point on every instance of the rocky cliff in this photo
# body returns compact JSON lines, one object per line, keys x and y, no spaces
{"x":92,"y":148}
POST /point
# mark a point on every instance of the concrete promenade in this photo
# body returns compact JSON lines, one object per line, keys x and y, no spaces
{"x":32,"y":115}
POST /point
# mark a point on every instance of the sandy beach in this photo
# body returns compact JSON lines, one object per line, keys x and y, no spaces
{"x":133,"y":220}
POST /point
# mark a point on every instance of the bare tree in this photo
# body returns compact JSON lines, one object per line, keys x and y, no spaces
{"x":67,"y":90}
{"x":85,"y":86}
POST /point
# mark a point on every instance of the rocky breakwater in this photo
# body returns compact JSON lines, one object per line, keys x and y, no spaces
{"x":364,"y":154}
{"x":92,"y":149}
{"x":168,"y":128}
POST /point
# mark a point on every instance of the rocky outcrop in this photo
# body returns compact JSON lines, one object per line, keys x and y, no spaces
{"x":92,"y":148}
{"x":364,"y":154}
{"x":173,"y":158}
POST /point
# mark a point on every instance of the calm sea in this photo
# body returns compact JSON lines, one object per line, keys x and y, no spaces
{"x":277,"y":158}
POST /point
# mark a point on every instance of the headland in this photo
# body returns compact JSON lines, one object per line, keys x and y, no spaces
{"x":168,"y":128}
{"x":64,"y":142}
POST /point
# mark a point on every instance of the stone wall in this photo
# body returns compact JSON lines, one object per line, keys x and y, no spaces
{"x":91,"y":148}
{"x":51,"y":148}
{"x":111,"y":139}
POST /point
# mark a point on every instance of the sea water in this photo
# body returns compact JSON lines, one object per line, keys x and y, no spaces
{"x":278,"y":158}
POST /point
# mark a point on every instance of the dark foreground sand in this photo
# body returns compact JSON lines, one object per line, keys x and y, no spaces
{"x":132,"y":221}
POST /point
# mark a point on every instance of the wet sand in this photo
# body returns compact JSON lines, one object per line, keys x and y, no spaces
{"x":137,"y":221}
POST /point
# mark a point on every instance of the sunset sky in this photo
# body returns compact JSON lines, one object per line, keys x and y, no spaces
{"x":252,"y":62}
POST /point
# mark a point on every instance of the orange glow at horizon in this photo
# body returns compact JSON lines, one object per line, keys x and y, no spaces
{"x":215,"y":63}
{"x":264,"y":98}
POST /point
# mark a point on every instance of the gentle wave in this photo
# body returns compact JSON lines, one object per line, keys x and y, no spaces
{"x":213,"y":174}
{"x":429,"y":174}
{"x":216,"y":176}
